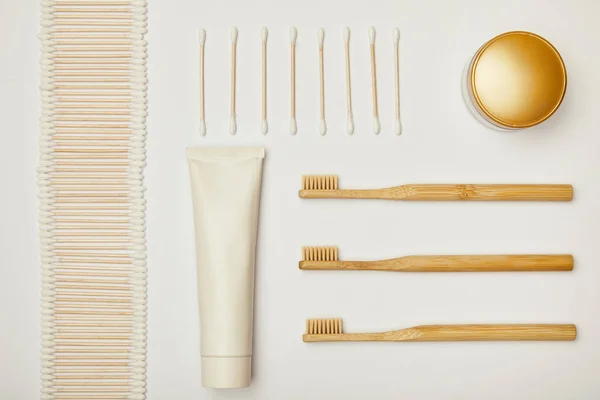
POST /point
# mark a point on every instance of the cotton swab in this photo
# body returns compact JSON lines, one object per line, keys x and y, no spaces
{"x":323,"y":124}
{"x":232,"y":122}
{"x":264,"y":34}
{"x":293,"y":36}
{"x":202,"y":38}
{"x":398,"y":125}
{"x":376,"y":125}
{"x":350,"y":122}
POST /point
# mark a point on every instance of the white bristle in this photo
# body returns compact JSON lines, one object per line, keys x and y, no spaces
{"x":320,"y":182}
{"x":398,"y":127}
{"x":376,"y":126}
{"x":320,"y":253}
{"x":321,"y":36}
{"x":346,"y":34}
{"x":293,"y":126}
{"x":234,"y":34}
{"x":202,"y":36}
{"x":323,"y":127}
{"x":202,"y":128}
{"x":331,"y":326}
{"x":293,"y":34}
{"x":372,"y":35}
{"x":396,"y":35}
{"x":232,"y":125}
{"x":264,"y":33}
{"x":264,"y":126}
{"x":350,"y":125}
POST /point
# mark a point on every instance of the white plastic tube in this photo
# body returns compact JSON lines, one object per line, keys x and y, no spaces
{"x":226,"y":184}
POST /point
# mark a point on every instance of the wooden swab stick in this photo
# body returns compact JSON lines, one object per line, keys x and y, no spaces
{"x":92,"y":30}
{"x":90,"y":300}
{"x":82,"y":312}
{"x":323,"y":124}
{"x":108,"y":172}
{"x":376,"y":125}
{"x":79,"y":111}
{"x":232,"y":121}
{"x":202,"y":38}
{"x":98,"y":248}
{"x":123,"y":73}
{"x":398,"y":125}
{"x":91,"y":351}
{"x":80,"y":240}
{"x":68,"y":48}
{"x":68,"y":22}
{"x":65,"y":37}
{"x":86,"y":306}
{"x":99,"y":255}
{"x":91,"y":364}
{"x":103,"y":118}
{"x":71,"y":18}
{"x":122,"y":268}
{"x":88,"y":126}
{"x":350,"y":122}
{"x":58,"y":178}
{"x":96,"y":324}
{"x":93,"y":295}
{"x":107,"y":3}
{"x":99,"y":101}
{"x":59,"y":10}
{"x":293,"y":36}
{"x":264,"y":125}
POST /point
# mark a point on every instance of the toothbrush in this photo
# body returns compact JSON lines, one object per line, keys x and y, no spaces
{"x":398,"y":125}
{"x":326,"y":258}
{"x":202,"y":38}
{"x":350,"y":122}
{"x":232,"y":122}
{"x":376,"y":125}
{"x":293,"y":36}
{"x":321,"y":37}
{"x":326,"y":187}
{"x":331,"y":330}
{"x":264,"y":126}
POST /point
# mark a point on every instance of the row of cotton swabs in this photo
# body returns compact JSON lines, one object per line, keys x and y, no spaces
{"x":92,"y":206}
{"x":293,"y":123}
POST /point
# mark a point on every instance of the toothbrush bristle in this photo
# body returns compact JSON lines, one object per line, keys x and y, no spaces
{"x":320,"y":182}
{"x":320,"y":253}
{"x":329,"y":326}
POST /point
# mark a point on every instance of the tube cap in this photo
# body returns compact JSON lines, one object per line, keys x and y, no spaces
{"x":226,"y":372}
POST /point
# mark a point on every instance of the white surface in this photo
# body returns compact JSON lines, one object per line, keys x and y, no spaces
{"x":441,"y":142}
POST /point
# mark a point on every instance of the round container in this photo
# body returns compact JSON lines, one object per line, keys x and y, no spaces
{"x":516,"y":80}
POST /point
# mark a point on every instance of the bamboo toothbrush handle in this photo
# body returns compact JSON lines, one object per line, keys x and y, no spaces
{"x":456,"y":333}
{"x":437,"y":192}
{"x":458,"y":263}
{"x":451,"y":333}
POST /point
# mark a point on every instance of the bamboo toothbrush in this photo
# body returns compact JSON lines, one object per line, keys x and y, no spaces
{"x":398,"y":125}
{"x":202,"y":38}
{"x":326,"y":258}
{"x":293,"y":36}
{"x":264,"y":126}
{"x":376,"y":125}
{"x":330,"y":330}
{"x":326,"y":187}
{"x":350,"y":122}
{"x":232,"y":122}
{"x":323,"y":124}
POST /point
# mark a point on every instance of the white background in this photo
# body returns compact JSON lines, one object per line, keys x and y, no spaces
{"x":441,"y":143}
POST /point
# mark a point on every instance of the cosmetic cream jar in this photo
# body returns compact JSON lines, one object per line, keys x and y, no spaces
{"x":516,"y":80}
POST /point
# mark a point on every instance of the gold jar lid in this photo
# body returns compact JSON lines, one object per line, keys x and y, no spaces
{"x":517,"y":79}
